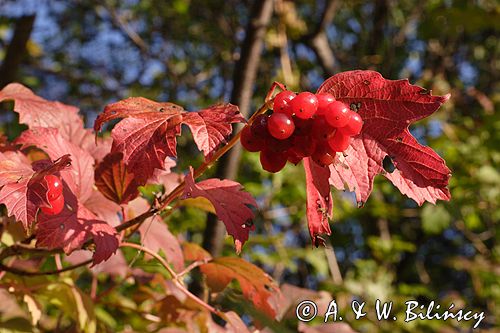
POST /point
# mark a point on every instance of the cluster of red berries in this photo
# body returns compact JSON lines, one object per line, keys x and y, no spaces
{"x":303,"y":125}
{"x":55,"y":195}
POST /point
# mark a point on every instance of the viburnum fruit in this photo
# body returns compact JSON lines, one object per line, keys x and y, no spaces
{"x":354,"y":124}
{"x":272,"y":161}
{"x":54,"y":185}
{"x":339,"y":141}
{"x":251,"y":142}
{"x":57,"y":206}
{"x":280,"y":125}
{"x":54,"y":195}
{"x":301,"y":126}
{"x":305,"y":105}
{"x":282,"y":101}
{"x":337,"y":114}
{"x":323,"y":101}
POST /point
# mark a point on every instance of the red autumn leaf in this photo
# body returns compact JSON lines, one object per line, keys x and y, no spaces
{"x":256,"y":285}
{"x":115,"y":266}
{"x":103,"y":208}
{"x":155,"y":234}
{"x":79,"y":177}
{"x":113,"y":179}
{"x":230,"y":203}
{"x":35,"y":111}
{"x":71,"y":228}
{"x":388,"y":107}
{"x":148,"y":133}
{"x":319,"y":200}
{"x":211,"y":127}
{"x":22,"y":186}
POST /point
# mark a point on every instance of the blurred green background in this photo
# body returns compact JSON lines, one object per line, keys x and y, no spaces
{"x":91,"y":53}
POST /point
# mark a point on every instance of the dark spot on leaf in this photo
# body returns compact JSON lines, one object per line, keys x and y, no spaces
{"x":113,"y":112}
{"x":388,"y":165}
{"x":162,"y":110}
{"x":366,"y":82}
{"x":361,"y":204}
{"x":399,"y":139}
{"x":424,"y":92}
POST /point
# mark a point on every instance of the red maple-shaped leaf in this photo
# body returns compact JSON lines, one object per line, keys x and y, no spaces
{"x":388,"y":107}
{"x":230,"y":202}
{"x":36,"y":111}
{"x":211,"y":127}
{"x":256,"y":285}
{"x":319,"y":200}
{"x":79,"y":177}
{"x":148,"y":133}
{"x":114,"y":180}
{"x":71,"y":228}
{"x":23,"y":188}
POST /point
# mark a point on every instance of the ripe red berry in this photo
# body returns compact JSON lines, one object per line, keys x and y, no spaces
{"x":354,"y":125}
{"x":321,"y":130}
{"x":337,"y":114}
{"x":259,"y":126}
{"x":305,"y":105}
{"x":321,"y":156}
{"x":57,"y":206}
{"x":251,"y":142}
{"x":293,"y":157}
{"x":282,"y":101}
{"x":339,"y":141}
{"x":272,"y":161}
{"x":278,"y":146}
{"x":303,"y":146}
{"x":280,"y":126}
{"x":323,"y":101}
{"x":54,"y":185}
{"x":303,"y":126}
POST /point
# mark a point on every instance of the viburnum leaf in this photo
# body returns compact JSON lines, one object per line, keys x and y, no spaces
{"x":148,"y":133}
{"x":388,"y":107}
{"x":23,"y":188}
{"x":155,"y":234}
{"x":319,"y":200}
{"x":256,"y":285}
{"x":36,"y":111}
{"x":114,"y":180}
{"x":211,"y":127}
{"x":103,"y":208}
{"x":80,"y":176}
{"x":230,"y":203}
{"x":71,"y":228}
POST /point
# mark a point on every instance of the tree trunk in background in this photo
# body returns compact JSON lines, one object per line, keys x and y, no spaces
{"x":244,"y":76}
{"x":16,"y":49}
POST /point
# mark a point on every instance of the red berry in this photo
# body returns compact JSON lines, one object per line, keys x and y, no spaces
{"x":282,"y":101}
{"x":321,"y":130}
{"x":54,"y":185}
{"x":323,"y":101}
{"x":259,"y":126}
{"x":337,"y":114}
{"x":354,"y":125}
{"x":278,"y":146}
{"x":303,"y":145}
{"x":251,"y":142}
{"x":305,"y":105}
{"x":57,"y":206}
{"x":303,"y":126}
{"x":293,"y":157}
{"x":280,"y":126}
{"x":339,"y":141}
{"x":272,"y":161}
{"x":322,"y":157}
